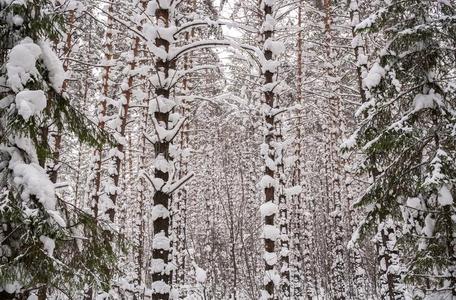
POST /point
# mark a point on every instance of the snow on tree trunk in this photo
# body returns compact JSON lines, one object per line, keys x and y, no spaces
{"x":359,"y":277}
{"x":268,"y":182}
{"x":164,"y":126}
{"x":389,"y":261}
{"x":97,"y":197}
{"x":143,"y":96}
{"x":334,"y":134}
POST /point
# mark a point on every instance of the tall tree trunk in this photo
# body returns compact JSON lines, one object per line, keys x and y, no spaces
{"x":338,"y":265}
{"x":102,"y":110}
{"x":161,"y":250}
{"x":284,"y":219}
{"x":359,"y":280}
{"x":269,"y":183}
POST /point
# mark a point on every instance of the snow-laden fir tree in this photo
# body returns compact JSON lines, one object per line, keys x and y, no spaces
{"x":47,"y":244}
{"x":407,"y":134}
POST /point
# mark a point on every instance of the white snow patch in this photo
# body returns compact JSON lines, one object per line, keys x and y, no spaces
{"x":268,"y":209}
{"x":12,"y":287}
{"x":48,"y":245}
{"x":159,"y":211}
{"x":292,"y":191}
{"x":374,"y":76}
{"x":30,"y":103}
{"x":414,"y":203}
{"x":32,"y":297}
{"x":429,"y":226}
{"x":21,"y":65}
{"x":157,"y":265}
{"x":160,"y":287}
{"x":445,"y":198}
{"x":270,"y":258}
{"x":271,"y":232}
{"x":35,"y":182}
{"x":271,"y":275}
{"x":54,"y":65}
{"x":200,"y":275}
{"x":422,"y":101}
{"x":276,"y":47}
{"x":267,"y":182}
{"x":160,"y":241}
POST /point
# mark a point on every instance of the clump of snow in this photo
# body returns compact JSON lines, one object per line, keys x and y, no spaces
{"x":445,"y":2}
{"x":200,"y":275}
{"x":267,"y":182}
{"x":422,"y":101}
{"x":265,"y":295}
{"x":269,"y":2}
{"x":21,"y":65}
{"x":269,"y":23}
{"x":362,"y":60}
{"x":269,"y":66}
{"x":48,"y":245}
{"x":159,"y":211}
{"x":276,"y":47}
{"x":353,"y":5}
{"x":374,"y":76}
{"x":157,"y":265}
{"x":161,"y":164}
{"x":271,"y":275}
{"x":429,"y":226}
{"x":264,"y":149}
{"x":75,"y":5}
{"x":445,"y":198}
{"x":105,"y":202}
{"x":17,"y":20}
{"x":12,"y":287}
{"x":292,"y":191}
{"x":270,"y":258}
{"x":160,"y":241}
{"x":436,"y":176}
{"x":268,"y":209}
{"x":160,"y":287}
{"x":174,"y":294}
{"x":30,"y":103}
{"x":371,"y":20}
{"x":57,"y":218}
{"x":414,"y":203}
{"x":35,"y":182}
{"x":54,"y":65}
{"x":350,"y":142}
{"x":271,"y":232}
{"x":26,"y":145}
{"x":355,"y":237}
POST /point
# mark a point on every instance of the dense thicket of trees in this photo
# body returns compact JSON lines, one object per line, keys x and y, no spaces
{"x":272,"y":149}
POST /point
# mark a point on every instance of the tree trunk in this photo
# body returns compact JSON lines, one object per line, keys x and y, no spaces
{"x":269,"y":155}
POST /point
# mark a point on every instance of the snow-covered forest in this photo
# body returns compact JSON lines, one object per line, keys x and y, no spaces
{"x":228,"y":149}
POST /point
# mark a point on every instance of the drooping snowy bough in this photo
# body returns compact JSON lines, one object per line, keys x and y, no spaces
{"x":37,"y":227}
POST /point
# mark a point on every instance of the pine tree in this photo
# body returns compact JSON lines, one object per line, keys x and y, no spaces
{"x":407,"y":134}
{"x":47,"y":244}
